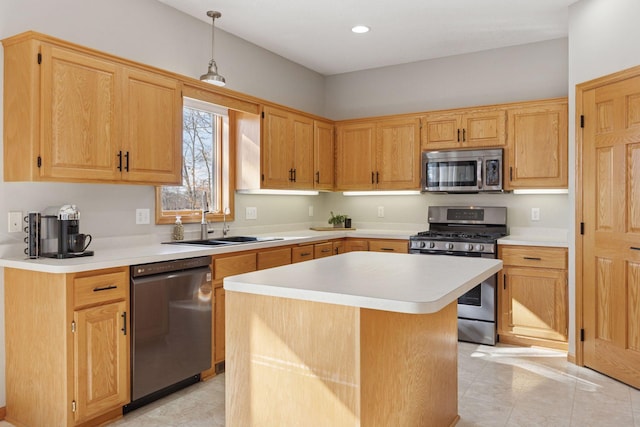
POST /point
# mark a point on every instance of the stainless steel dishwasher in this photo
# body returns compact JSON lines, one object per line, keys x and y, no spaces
{"x":170,"y":327}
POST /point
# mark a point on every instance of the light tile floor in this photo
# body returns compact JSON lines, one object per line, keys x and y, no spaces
{"x":497,"y":386}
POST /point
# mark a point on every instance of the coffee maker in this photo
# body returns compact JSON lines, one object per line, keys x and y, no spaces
{"x":59,"y":233}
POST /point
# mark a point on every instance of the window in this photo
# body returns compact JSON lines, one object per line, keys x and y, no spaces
{"x":205,"y":167}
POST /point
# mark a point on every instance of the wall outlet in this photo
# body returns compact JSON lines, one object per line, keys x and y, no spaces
{"x":143,"y":216}
{"x":15,"y":222}
{"x":251,"y":213}
{"x":380,"y":211}
{"x":535,"y":214}
{"x":311,"y":210}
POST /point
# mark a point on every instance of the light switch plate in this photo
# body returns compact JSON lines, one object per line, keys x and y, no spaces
{"x":15,"y":222}
{"x":535,"y":214}
{"x":251,"y":213}
{"x":380,"y":211}
{"x":142,"y":216}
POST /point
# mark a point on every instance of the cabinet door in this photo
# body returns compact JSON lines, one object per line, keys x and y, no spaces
{"x":79,"y":132}
{"x":398,"y":155}
{"x":355,"y":157}
{"x":152,"y":134}
{"x":101,"y":355}
{"x":276,"y":149}
{"x":302,"y":135}
{"x":441,"y":131}
{"x":534,"y":303}
{"x":323,"y":156}
{"x":338,"y":247}
{"x":538,"y":147}
{"x":219,"y":325}
{"x":483,"y":129}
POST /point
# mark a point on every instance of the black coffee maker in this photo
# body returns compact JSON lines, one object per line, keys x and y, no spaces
{"x":60,"y":234}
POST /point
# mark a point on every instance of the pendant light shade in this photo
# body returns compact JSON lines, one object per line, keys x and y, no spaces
{"x":212,"y":75}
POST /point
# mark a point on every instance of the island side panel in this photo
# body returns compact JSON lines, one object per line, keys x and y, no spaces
{"x":409,"y":368}
{"x":291,"y":362}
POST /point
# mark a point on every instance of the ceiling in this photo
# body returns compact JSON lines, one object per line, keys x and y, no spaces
{"x":317,"y":34}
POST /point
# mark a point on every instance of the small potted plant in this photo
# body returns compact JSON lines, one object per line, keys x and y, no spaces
{"x":337,"y":220}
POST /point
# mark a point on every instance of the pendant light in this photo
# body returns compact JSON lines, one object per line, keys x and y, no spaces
{"x":212,"y":75}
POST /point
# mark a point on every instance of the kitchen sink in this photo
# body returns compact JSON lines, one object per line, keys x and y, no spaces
{"x":226,"y":240}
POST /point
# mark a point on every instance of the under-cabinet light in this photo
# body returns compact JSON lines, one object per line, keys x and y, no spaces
{"x":382,"y":193}
{"x":541,"y":191}
{"x":279,"y":192}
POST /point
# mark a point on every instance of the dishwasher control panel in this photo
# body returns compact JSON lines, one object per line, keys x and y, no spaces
{"x":168,"y":266}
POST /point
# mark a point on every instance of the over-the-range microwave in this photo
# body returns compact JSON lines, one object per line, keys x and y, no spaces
{"x":462,"y":171}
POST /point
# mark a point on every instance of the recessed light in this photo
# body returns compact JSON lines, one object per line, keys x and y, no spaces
{"x":359,"y":29}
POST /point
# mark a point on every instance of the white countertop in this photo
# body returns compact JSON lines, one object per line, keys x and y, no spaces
{"x":528,"y":236}
{"x":117,"y":254}
{"x":382,"y":281}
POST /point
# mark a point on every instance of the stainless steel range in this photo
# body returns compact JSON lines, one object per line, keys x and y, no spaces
{"x":469,"y":231}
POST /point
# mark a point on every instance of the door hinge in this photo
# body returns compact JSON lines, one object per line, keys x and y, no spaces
{"x":582,"y":120}
{"x":73,"y":406}
{"x":39,"y":58}
{"x":73,"y":326}
{"x":582,"y":334}
{"x":582,"y":228}
{"x":39,"y":162}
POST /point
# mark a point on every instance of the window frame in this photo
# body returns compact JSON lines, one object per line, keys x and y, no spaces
{"x":228,"y":170}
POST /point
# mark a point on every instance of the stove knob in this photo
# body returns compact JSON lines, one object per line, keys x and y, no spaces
{"x":432,"y":245}
{"x":449,"y":246}
{"x":480,"y":247}
{"x":423,"y":244}
{"x":469,"y":246}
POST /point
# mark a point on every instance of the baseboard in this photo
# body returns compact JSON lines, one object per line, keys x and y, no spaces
{"x":3,"y":412}
{"x":533,"y":342}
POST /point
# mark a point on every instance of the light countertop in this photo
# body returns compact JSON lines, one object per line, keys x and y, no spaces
{"x":122,"y":252}
{"x":527,"y":236}
{"x":383,"y":281}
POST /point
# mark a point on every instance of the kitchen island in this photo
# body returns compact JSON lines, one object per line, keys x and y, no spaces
{"x":359,"y":339}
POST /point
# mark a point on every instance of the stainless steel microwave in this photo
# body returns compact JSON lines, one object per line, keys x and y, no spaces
{"x":462,"y":171}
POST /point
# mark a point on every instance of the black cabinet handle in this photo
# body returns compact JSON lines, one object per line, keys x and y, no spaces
{"x":126,"y":167}
{"x":377,"y":177}
{"x":531,"y":258}
{"x":120,"y":161}
{"x":294,"y":175}
{"x":510,"y":173}
{"x":504,"y":281}
{"x":105,"y":288}
{"x":290,"y":175}
{"x":124,"y":322}
{"x":305,"y":254}
{"x":634,"y":248}
{"x":458,"y":135}
{"x":464,"y":135}
{"x":318,"y":177}
{"x":373,"y":178}
{"x":324,"y":251}
{"x":387,"y":249}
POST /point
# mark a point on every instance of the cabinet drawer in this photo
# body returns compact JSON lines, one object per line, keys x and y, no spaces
{"x":274,"y":258}
{"x":237,"y":264}
{"x":399,"y":246}
{"x":352,"y":245}
{"x":322,"y":250}
{"x":534,"y":256}
{"x":302,"y":253}
{"x":100,"y":288}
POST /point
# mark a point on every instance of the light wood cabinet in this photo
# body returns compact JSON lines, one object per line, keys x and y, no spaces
{"x":75,"y":115}
{"x":287,"y":150}
{"x":380,"y":155}
{"x":338,"y":247}
{"x":532,"y":296}
{"x":323,"y":155}
{"x":302,"y":253}
{"x":321,"y":250}
{"x":67,"y":346}
{"x":397,"y":246}
{"x":219,"y":325}
{"x":352,"y":245}
{"x":537,"y":145}
{"x":464,"y":128}
{"x":274,"y":258}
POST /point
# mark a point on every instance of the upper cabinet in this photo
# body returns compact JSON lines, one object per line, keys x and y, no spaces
{"x":323,"y":155}
{"x":537,"y":145}
{"x":72,"y":115}
{"x":378,"y":155}
{"x":464,"y":128}
{"x":287,"y":150}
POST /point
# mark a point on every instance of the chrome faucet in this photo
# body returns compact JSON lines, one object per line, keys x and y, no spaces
{"x":225,"y":227}
{"x":204,"y":225}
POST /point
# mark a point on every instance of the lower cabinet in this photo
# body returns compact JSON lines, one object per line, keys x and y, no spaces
{"x":532,"y":296}
{"x":67,"y":346}
{"x":397,"y":246}
{"x":352,"y":245}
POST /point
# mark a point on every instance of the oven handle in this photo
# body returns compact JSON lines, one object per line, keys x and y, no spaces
{"x":479,"y":174}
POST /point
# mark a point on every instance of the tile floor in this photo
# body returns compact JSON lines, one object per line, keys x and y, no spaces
{"x":498,"y":386}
